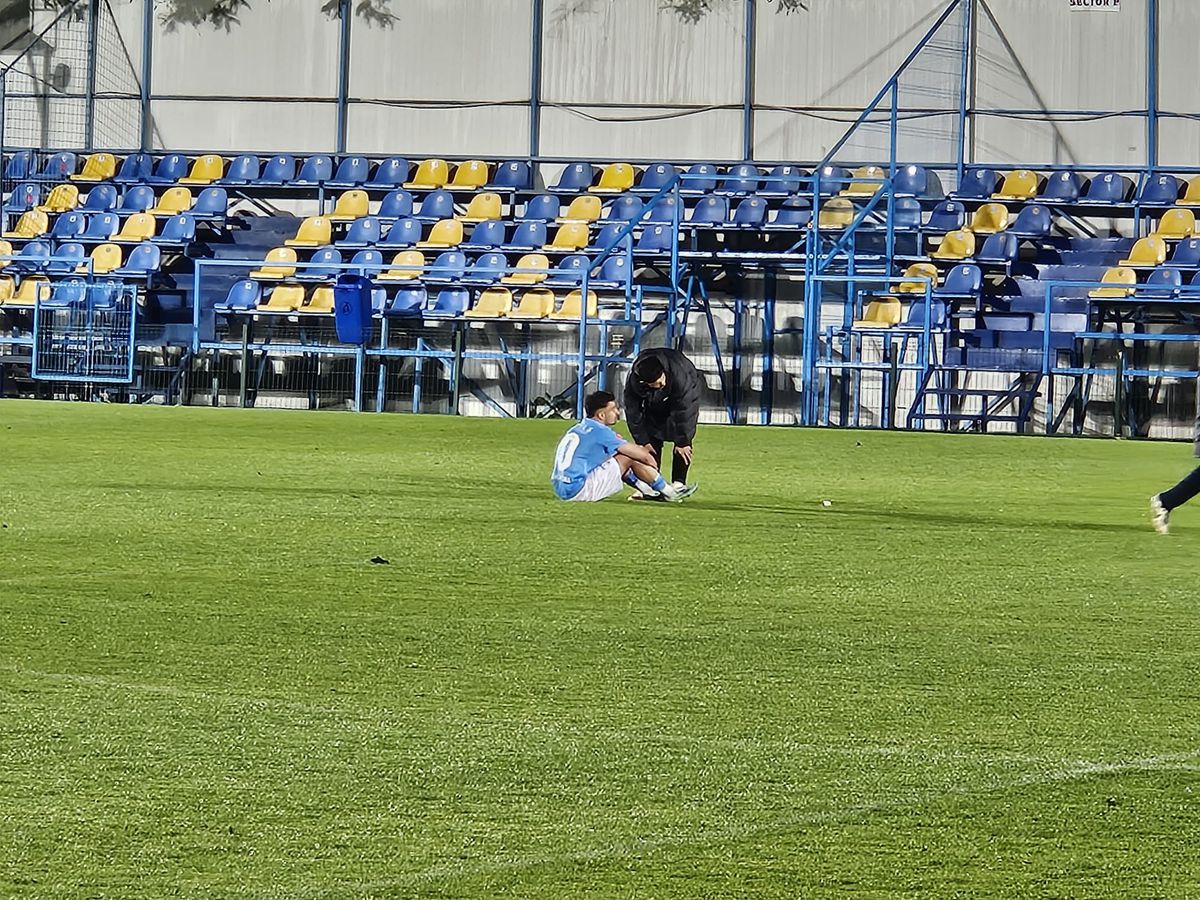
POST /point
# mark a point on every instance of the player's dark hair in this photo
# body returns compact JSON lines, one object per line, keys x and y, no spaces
{"x":648,"y":369}
{"x":596,"y":401}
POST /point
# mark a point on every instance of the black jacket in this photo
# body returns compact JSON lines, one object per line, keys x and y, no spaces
{"x":668,"y":414}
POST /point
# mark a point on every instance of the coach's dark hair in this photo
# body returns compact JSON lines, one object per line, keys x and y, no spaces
{"x":648,"y":369}
{"x":596,"y":401}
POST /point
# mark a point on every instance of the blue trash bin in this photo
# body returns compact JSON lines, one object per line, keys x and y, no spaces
{"x":352,"y":308}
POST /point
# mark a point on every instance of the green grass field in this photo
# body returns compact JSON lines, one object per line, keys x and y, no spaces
{"x":976,"y":674}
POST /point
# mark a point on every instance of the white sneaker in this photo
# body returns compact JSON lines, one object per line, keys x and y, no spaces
{"x":683,"y":493}
{"x":1160,"y":516}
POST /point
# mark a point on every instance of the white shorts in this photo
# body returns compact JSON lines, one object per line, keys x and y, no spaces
{"x":602,"y":482}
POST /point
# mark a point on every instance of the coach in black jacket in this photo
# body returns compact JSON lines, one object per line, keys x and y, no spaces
{"x":662,"y":405}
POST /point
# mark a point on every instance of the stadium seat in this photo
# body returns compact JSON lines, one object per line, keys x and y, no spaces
{"x":865,"y":189}
{"x":977,"y":184}
{"x":8,"y":288}
{"x":1148,"y":252}
{"x":32,"y":258}
{"x":832,"y":180}
{"x":64,"y":197}
{"x":613,"y":274}
{"x":1176,"y":224}
{"x":542,"y":208}
{"x":989,"y":219}
{"x":709,"y":212}
{"x":881,"y":313}
{"x":138,"y":198}
{"x":513,"y":175}
{"x":284,"y":298}
{"x":105,"y":258}
{"x":389,"y":175}
{"x":403,"y":233}
{"x":700,"y":178}
{"x":279,"y":170}
{"x":68,"y":226}
{"x":655,"y":178}
{"x":144,"y":260}
{"x":323,"y":265}
{"x":493,"y":303}
{"x":450,"y":302}
{"x":370,"y":261}
{"x":1108,"y":189}
{"x":742,"y":179}
{"x":352,"y":172}
{"x":655,"y":239}
{"x":315,"y":170}
{"x":663,"y":209}
{"x":482,"y":207}
{"x":137,"y":228}
{"x":569,"y":237}
{"x":173,"y":201}
{"x":32,"y":224}
{"x":571,"y":306}
{"x":436,"y":206}
{"x":135,"y":169}
{"x":575,"y":178}
{"x":1032,"y":222}
{"x":243,"y":296}
{"x":31,"y":289}
{"x":527,"y":236}
{"x":1186,"y":255}
{"x":906,"y":214}
{"x":615,"y":178}
{"x":1021,"y":184}
{"x":486,"y":270}
{"x":836,"y":213}
{"x":626,"y":208}
{"x":535,"y":303}
{"x":1123,"y":281}
{"x":444,"y":234}
{"x":20,"y":165}
{"x":408,"y":302}
{"x":532,"y":268}
{"x":1159,"y":190}
{"x":205,"y":170}
{"x":569,"y":271}
{"x":485,"y":236}
{"x":955,"y":245}
{"x":948,"y":215}
{"x":469,"y":175}
{"x":97,"y":167}
{"x":243,"y":169}
{"x":6,"y":250}
{"x":606,"y":236}
{"x":910,"y":181}
{"x":100,"y":228}
{"x":66,"y":258}
{"x":795,"y":212}
{"x":1191,"y":194}
{"x":397,"y":204}
{"x":782,"y":181}
{"x":314,"y":231}
{"x":917,"y":270}
{"x":320,"y":302}
{"x":211,"y":205}
{"x":280,"y":263}
{"x":1062,"y":187}
{"x":58,"y":167}
{"x":362,"y":232}
{"x":101,"y":198}
{"x":178,"y":231}
{"x":23,"y":197}
{"x":585,"y":208}
{"x":1161,"y":284}
{"x":750,"y":213}
{"x":169,"y":170}
{"x":405,"y":266}
{"x":431,"y":175}
{"x":961,"y":281}
{"x":350,"y":205}
{"x":1000,"y":249}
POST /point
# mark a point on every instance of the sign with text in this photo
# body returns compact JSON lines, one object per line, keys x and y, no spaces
{"x":1095,"y":5}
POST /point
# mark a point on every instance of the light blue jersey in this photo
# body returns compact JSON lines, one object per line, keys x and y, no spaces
{"x":581,"y":451}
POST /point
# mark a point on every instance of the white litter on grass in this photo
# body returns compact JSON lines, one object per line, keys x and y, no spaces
{"x":827,"y":503}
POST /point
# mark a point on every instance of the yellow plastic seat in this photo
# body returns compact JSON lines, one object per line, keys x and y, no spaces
{"x":836,"y":214}
{"x":64,"y":198}
{"x":582,"y":209}
{"x":443,"y":235}
{"x":320,"y":301}
{"x":989,"y":219}
{"x":278,"y":265}
{"x":536,"y":303}
{"x":1147,"y":252}
{"x":284,"y":298}
{"x":864,"y":188}
{"x":1191,"y":197}
{"x":1176,"y":224}
{"x":431,"y":174}
{"x":470,"y":174}
{"x":571,"y":304}
{"x":205,"y":170}
{"x":881,"y":313}
{"x":8,"y":288}
{"x":173,"y":202}
{"x":97,"y":167}
{"x":535,"y":261}
{"x":615,"y":179}
{"x":138,"y":227}
{"x":1125,"y":277}
{"x":570,"y":237}
{"x":6,"y":249}
{"x":406,"y":266}
{"x":955,"y":245}
{"x":105,"y":258}
{"x":917,"y":270}
{"x":482,"y":207}
{"x":31,"y":289}
{"x":313,"y":232}
{"x":350,"y":205}
{"x":32,"y":224}
{"x":1021,"y":184}
{"x":492,"y":304}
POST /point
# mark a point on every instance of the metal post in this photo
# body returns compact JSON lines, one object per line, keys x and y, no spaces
{"x":1152,"y":84}
{"x":748,"y":86}
{"x":345,"y":13}
{"x":89,"y":128}
{"x":147,"y":60}
{"x":535,"y":81}
{"x":965,"y":81}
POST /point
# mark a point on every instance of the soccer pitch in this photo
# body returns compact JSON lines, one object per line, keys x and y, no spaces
{"x":975,"y":674}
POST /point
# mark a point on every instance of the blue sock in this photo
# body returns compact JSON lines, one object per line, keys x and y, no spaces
{"x":630,"y":478}
{"x":660,"y":484}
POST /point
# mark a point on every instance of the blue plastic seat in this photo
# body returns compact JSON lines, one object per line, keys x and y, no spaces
{"x":352,"y":172}
{"x":316,"y":170}
{"x":58,"y":167}
{"x":1186,"y":255}
{"x":949,"y":215}
{"x":177,"y":231}
{"x":527,"y":236}
{"x":169,"y":170}
{"x":569,"y":271}
{"x":451,"y":302}
{"x":397,"y":204}
{"x":626,"y":208}
{"x":101,"y":198}
{"x":710,"y":212}
{"x":606,"y":236}
{"x":906,"y":214}
{"x":1195,"y":280}
{"x":138,"y":198}
{"x":910,"y":181}
{"x":1032,"y":222}
{"x":701,"y":179}
{"x":795,"y":212}
{"x":742,"y":179}
{"x":436,"y":206}
{"x":404,"y":233}
{"x":655,"y":178}
{"x":999,"y":249}
{"x":1162,"y":284}
{"x":513,"y":175}
{"x":136,"y":168}
{"x":324,"y":265}
{"x":24,"y":197}
{"x":1062,"y":187}
{"x":613,"y":274}
{"x":65,"y":258}
{"x":100,"y":227}
{"x":782,"y":180}
{"x":278,"y":170}
{"x":409,"y":302}
{"x":576,"y":178}
{"x":1159,"y":190}
{"x":242,"y":169}
{"x":370,"y":259}
{"x":833,"y":180}
{"x":663,"y":210}
{"x":143,"y":261}
{"x":211,"y":203}
{"x":67,"y":293}
{"x":20,"y":165}
{"x":389,"y":175}
{"x":1108,"y":188}
{"x":362,"y":232}
{"x":449,"y":267}
{"x":542,"y":208}
{"x":751,"y":213}
{"x":243,"y":295}
{"x":655,"y":239}
{"x":68,"y":226}
{"x":32,"y":258}
{"x":961,"y":281}
{"x":486,"y":270}
{"x":485,"y":235}
{"x":978,"y":184}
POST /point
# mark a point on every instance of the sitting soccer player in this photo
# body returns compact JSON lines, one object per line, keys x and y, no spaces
{"x":592,"y":460}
